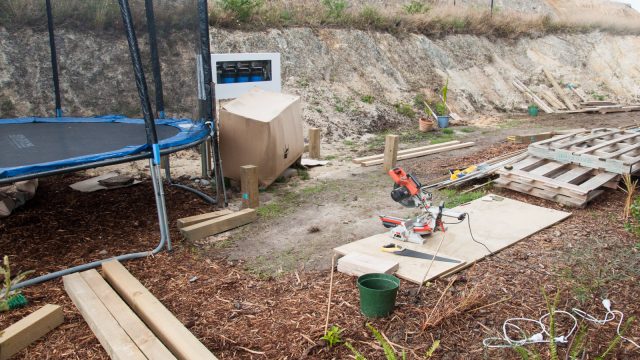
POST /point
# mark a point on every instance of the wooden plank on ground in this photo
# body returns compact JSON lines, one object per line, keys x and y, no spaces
{"x":219,"y":224}
{"x":523,"y":88}
{"x":182,"y":343}
{"x":148,"y":343}
{"x":405,"y":151}
{"x":421,"y":153}
{"x":112,"y":337}
{"x":29,"y":329}
{"x":558,"y":90}
{"x":184,"y":222}
{"x":496,"y":223}
{"x":357,"y":264}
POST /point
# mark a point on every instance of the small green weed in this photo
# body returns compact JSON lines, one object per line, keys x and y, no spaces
{"x":303,"y":174}
{"x":332,"y":336}
{"x":467,"y":130}
{"x":447,"y":131}
{"x":454,"y":198}
{"x":416,"y":7}
{"x":405,"y":109}
{"x":371,"y":16}
{"x":367,"y":99}
{"x":330,"y":157}
{"x":242,"y":10}
{"x":270,"y":210}
{"x":335,"y":9}
{"x":432,"y":349}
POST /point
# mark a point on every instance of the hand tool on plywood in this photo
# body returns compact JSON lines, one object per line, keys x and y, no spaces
{"x":400,"y":251}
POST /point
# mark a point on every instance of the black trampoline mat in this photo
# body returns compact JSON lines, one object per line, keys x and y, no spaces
{"x":36,"y":143}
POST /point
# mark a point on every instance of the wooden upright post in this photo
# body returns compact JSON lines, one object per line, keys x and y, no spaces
{"x":314,"y":143}
{"x":390,"y":152}
{"x":249,"y":186}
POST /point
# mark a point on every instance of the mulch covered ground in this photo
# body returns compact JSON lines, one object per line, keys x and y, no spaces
{"x":239,"y":316}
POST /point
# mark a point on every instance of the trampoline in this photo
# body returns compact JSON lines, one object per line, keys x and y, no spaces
{"x":35,"y":147}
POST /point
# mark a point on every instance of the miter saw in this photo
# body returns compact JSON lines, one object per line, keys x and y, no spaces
{"x":408,"y":191}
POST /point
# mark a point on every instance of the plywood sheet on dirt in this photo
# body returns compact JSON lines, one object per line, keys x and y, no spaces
{"x":410,"y":269}
{"x":496,"y":221}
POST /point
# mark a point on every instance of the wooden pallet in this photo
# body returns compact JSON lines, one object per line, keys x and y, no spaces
{"x":567,"y":184}
{"x":612,"y":150}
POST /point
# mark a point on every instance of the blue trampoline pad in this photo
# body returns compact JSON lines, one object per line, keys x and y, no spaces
{"x":29,"y":146}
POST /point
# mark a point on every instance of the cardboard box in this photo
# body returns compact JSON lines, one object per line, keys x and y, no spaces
{"x":264,"y":129}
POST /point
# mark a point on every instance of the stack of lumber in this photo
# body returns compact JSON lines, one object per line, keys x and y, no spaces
{"x":556,"y":99}
{"x":413,"y":153}
{"x":574,"y":168}
{"x":200,"y":226}
{"x":127,"y":319}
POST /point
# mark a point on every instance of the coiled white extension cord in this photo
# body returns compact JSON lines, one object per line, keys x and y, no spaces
{"x":544,"y":337}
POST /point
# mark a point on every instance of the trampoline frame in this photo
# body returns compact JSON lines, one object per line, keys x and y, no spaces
{"x":155,"y":153}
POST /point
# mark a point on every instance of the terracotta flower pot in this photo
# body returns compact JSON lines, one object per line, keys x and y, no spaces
{"x":425,"y":124}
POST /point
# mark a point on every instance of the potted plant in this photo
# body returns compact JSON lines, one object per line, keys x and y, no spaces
{"x":441,"y":107}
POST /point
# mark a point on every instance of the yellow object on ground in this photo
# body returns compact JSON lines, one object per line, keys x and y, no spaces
{"x":457,"y":174}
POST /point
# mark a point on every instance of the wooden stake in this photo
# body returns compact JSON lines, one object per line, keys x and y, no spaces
{"x":314,"y":143}
{"x":249,"y":186}
{"x":390,"y":152}
{"x":333,"y":265}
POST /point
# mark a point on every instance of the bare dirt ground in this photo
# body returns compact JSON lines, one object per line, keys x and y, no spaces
{"x":261,"y":291}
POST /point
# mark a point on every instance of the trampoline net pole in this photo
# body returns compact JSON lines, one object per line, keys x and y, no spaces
{"x":152,"y":137}
{"x":205,"y":53}
{"x":155,"y":59}
{"x":54,"y":60}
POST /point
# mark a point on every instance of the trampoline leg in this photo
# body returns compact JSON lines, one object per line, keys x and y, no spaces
{"x":158,"y":190}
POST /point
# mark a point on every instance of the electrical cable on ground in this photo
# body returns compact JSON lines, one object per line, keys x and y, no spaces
{"x":544,"y":337}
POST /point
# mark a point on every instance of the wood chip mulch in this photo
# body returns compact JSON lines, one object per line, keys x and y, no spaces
{"x":239,"y":316}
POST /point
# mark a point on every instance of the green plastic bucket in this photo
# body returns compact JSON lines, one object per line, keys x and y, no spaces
{"x":377,"y":294}
{"x":533,"y":110}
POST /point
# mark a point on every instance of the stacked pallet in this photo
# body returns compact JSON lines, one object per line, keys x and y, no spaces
{"x":573,"y":169}
{"x":567,"y":184}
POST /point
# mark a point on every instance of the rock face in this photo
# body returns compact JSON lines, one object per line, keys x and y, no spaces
{"x":349,"y":80}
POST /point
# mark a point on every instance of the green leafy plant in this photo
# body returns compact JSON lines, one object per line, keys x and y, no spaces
{"x":405,"y":109}
{"x":335,"y":9}
{"x":633,"y":222}
{"x":355,"y":352}
{"x":241,"y":9}
{"x":388,"y":350}
{"x":11,"y":298}
{"x":432,"y":349}
{"x":616,"y":340}
{"x":441,"y":106}
{"x":416,"y":7}
{"x":371,"y":16}
{"x":551,"y":308}
{"x":368,"y":99}
{"x":332,"y":336}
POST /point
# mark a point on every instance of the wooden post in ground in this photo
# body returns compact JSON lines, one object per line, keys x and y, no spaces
{"x":314,"y":143}
{"x":390,"y":152}
{"x":249,"y":186}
